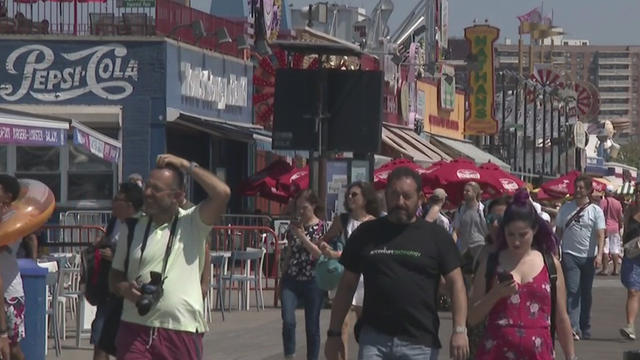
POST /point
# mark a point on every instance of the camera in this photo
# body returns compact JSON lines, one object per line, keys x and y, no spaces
{"x":151,"y":293}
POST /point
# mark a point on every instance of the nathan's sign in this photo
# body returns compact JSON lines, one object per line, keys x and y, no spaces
{"x":481,"y":119}
{"x":104,"y":70}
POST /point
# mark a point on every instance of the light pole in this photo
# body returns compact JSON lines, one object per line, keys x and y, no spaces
{"x":544,"y":128}
{"x":524,"y":123}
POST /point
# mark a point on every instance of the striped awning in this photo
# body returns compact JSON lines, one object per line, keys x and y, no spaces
{"x":626,"y":189}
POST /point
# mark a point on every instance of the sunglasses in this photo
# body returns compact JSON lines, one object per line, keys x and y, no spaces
{"x":493,"y":218}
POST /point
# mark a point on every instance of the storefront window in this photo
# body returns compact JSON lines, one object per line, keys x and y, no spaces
{"x":39,"y":163}
{"x":90,"y":177}
{"x":3,"y":158}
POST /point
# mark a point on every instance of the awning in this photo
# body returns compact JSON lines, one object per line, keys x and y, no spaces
{"x":407,"y":143}
{"x":465,"y":148}
{"x":263,"y":143}
{"x":21,"y":128}
{"x":96,"y":143}
{"x":25,"y":128}
{"x":248,"y":133}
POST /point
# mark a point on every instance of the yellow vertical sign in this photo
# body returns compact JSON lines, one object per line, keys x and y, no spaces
{"x":481,"y":89}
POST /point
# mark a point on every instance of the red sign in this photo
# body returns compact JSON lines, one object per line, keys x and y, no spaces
{"x":444,"y":123}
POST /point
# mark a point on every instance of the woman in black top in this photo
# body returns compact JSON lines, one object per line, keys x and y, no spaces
{"x":630,"y":269}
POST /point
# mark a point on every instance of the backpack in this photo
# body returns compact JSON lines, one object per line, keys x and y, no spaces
{"x":492,"y":265}
{"x":107,"y":339}
{"x":95,"y":270}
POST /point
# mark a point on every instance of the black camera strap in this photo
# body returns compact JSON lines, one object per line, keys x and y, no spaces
{"x":167,"y":252}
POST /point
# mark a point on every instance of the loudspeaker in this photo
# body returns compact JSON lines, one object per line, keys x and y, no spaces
{"x":355,"y":109}
{"x":295,"y":105}
{"x":353,"y":102}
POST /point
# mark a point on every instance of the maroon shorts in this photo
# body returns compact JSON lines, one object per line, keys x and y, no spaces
{"x":139,"y":342}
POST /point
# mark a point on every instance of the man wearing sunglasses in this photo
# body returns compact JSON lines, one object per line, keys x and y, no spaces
{"x":164,"y":259}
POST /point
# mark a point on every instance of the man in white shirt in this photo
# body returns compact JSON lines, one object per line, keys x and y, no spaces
{"x":170,"y":243}
{"x":581,"y":228}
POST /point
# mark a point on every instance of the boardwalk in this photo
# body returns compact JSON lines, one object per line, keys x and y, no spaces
{"x":256,"y":335}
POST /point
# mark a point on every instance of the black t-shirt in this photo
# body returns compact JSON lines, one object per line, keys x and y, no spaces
{"x":402,"y":265}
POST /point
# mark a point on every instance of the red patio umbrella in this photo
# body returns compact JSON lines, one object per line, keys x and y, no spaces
{"x":453,"y":175}
{"x":381,"y":174}
{"x":273,"y":193}
{"x":265,"y":177}
{"x":505,"y":182}
{"x":563,"y":186}
{"x":293,"y":181}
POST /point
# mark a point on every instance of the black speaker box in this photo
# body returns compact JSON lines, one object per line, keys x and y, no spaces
{"x":353,"y":102}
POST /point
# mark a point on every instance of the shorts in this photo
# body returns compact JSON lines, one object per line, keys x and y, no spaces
{"x":139,"y":342}
{"x":14,"y":308}
{"x":612,"y":244}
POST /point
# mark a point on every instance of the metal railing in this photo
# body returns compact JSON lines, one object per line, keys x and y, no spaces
{"x":70,"y":238}
{"x":111,"y":18}
{"x":85,"y":217}
{"x":75,"y":17}
{"x":238,"y":238}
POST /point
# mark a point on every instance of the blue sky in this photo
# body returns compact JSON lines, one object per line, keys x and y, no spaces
{"x":601,"y":22}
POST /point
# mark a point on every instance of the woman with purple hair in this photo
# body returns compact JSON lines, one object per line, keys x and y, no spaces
{"x":513,"y":290}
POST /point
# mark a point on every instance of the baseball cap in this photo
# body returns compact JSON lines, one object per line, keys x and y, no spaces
{"x":439,"y":193}
{"x":10,"y":184}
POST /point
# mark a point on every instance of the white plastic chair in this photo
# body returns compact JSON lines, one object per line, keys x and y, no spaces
{"x":250,"y":258}
{"x":53,"y":310}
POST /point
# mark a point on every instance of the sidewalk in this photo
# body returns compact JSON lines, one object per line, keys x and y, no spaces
{"x":257,"y":335}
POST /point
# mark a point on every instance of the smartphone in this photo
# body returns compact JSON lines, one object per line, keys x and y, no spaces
{"x":504,"y":277}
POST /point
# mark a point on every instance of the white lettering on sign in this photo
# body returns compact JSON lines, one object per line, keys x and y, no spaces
{"x":204,"y":85}
{"x":101,"y":67}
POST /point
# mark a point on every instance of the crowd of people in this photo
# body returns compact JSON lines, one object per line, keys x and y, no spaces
{"x":517,"y":275}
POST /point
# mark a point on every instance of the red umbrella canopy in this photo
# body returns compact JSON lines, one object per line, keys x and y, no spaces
{"x":267,"y":176}
{"x":294,"y":181}
{"x":453,"y":175}
{"x":563,"y":186}
{"x":273,"y":193}
{"x":381,"y":174}
{"x":505,"y":182}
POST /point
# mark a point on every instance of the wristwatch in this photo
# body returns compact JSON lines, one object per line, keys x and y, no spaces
{"x":334,"y":333}
{"x":192,"y":165}
{"x":460,"y":330}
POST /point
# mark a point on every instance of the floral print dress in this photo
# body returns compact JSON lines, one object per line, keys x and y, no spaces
{"x":518,"y":327}
{"x":300,"y":264}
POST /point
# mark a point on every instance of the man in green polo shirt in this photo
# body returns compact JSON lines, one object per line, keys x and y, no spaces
{"x":169,"y":241}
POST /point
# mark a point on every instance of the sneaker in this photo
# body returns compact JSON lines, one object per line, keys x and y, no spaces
{"x":628,"y":332}
{"x":576,"y":336}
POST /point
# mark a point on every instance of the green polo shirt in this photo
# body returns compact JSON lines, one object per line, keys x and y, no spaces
{"x":181,"y":306}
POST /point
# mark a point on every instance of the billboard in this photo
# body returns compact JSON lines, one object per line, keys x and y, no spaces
{"x":481,"y":120}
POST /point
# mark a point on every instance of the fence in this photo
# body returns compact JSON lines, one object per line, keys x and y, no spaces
{"x":233,"y":238}
{"x":170,"y":14}
{"x":113,"y":18}
{"x":85,"y":217}
{"x":70,"y":238}
{"x":75,"y":17}
{"x":246,"y":220}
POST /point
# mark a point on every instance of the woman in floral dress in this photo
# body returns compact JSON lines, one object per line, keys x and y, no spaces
{"x":518,"y":309}
{"x":298,"y":281}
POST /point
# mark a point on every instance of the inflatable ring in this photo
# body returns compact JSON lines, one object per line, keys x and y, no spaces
{"x":28,"y":212}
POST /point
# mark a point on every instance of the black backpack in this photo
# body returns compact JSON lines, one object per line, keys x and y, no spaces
{"x":95,"y":271}
{"x":492,"y":265}
{"x":107,"y":341}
